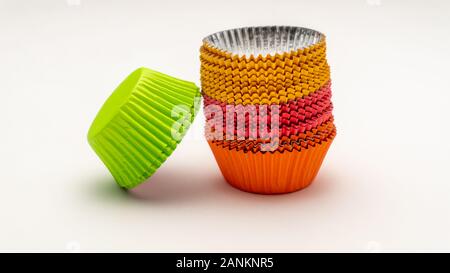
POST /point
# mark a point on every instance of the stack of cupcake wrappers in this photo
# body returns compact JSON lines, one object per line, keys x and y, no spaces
{"x":277,"y":82}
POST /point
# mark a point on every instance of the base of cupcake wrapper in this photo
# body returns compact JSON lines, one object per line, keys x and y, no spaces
{"x":270,"y":173}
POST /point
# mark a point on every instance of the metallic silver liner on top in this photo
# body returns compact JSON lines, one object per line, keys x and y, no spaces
{"x":264,"y":40}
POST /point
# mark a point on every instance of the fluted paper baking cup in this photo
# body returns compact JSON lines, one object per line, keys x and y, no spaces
{"x":261,"y":67}
{"x":262,"y":90}
{"x":255,"y":130}
{"x":295,"y":142}
{"x":266,"y":60}
{"x":286,"y":144}
{"x":260,"y":75}
{"x":270,"y":173}
{"x":306,"y":57}
{"x":250,"y":127}
{"x":141,"y":123}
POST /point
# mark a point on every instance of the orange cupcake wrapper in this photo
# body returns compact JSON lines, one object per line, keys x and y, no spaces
{"x":303,"y":61}
{"x":270,"y":173}
{"x":317,"y":100}
{"x":229,"y":75}
{"x":273,"y":96}
{"x":261,"y":76}
{"x":219,"y":83}
{"x":296,"y":56}
{"x":272,"y":92}
{"x":266,"y":86}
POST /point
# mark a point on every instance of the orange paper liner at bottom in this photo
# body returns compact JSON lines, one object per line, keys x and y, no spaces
{"x":270,"y":173}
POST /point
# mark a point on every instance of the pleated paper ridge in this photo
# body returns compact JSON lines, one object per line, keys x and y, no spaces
{"x":254,"y":91}
{"x":311,"y":56}
{"x":309,"y":105}
{"x":297,"y":142}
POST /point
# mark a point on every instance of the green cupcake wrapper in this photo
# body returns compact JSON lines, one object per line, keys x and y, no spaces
{"x":135,"y":130}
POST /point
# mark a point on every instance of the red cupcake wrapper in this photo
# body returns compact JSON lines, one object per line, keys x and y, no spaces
{"x":297,"y":116}
{"x":255,"y":131}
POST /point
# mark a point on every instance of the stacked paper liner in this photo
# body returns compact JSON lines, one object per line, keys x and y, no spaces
{"x":267,"y":103}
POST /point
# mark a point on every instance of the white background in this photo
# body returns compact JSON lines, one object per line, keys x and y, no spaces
{"x":384,"y":186}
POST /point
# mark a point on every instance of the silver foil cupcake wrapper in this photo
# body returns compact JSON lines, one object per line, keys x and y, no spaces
{"x":263,"y":40}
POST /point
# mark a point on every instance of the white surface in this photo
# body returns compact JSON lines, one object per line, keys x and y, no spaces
{"x":384,"y":185}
